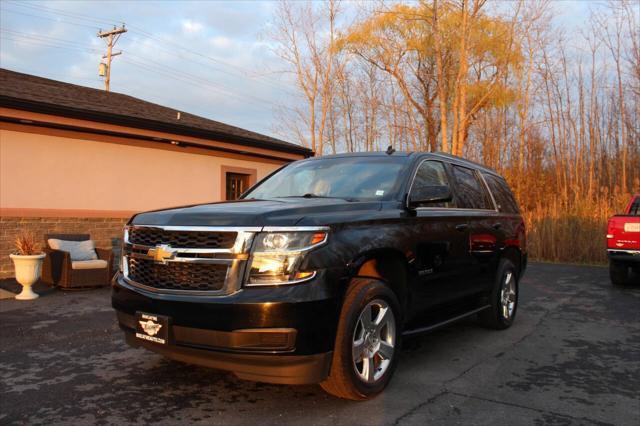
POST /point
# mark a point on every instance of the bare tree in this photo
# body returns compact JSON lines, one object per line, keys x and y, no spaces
{"x":555,"y":112}
{"x":311,"y":58}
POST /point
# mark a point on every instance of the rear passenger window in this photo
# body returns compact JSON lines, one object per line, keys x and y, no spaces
{"x":472,"y":194}
{"x":431,"y":173}
{"x":501,"y":193}
{"x":635,"y":207}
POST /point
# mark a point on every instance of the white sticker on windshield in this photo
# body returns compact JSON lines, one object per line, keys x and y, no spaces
{"x":379,"y":193}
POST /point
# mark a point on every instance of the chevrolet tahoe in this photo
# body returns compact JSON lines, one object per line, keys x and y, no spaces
{"x":321,"y":269}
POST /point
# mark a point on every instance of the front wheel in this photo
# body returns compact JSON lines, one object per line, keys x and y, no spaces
{"x":503,"y":298}
{"x":367,"y":342}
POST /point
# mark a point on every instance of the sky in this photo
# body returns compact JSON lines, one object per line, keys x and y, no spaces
{"x":210,"y":58}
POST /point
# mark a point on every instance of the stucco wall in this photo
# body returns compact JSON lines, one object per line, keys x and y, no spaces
{"x":40,"y":171}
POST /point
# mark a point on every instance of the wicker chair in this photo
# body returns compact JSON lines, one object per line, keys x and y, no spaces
{"x":57,"y":269}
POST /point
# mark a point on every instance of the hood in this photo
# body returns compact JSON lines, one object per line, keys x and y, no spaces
{"x":280,"y":212}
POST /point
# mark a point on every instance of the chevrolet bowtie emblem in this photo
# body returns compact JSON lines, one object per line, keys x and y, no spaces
{"x":161,"y":253}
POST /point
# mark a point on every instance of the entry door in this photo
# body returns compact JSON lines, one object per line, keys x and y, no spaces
{"x":441,"y":238}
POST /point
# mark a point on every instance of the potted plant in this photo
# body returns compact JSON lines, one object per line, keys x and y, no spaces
{"x":27,"y":261}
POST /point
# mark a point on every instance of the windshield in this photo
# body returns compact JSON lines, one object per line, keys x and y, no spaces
{"x":352,"y":178}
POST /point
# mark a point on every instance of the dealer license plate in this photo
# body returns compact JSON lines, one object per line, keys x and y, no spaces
{"x":153,"y":328}
{"x":632,"y":227}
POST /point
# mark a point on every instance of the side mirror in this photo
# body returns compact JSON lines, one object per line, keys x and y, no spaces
{"x":429,"y":194}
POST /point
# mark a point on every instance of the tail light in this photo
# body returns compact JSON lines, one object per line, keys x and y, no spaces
{"x":610,"y":229}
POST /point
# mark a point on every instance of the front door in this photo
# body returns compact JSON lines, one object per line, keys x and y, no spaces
{"x":441,"y":244}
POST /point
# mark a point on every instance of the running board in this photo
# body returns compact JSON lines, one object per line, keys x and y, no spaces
{"x":443,"y":323}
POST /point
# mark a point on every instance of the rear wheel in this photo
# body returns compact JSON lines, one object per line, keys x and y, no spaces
{"x":619,"y":272}
{"x":503,"y":298}
{"x":367,"y":341}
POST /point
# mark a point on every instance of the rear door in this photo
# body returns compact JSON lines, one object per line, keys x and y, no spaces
{"x":476,"y":204}
{"x":508,"y":224}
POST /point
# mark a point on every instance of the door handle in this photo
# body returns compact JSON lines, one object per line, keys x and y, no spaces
{"x":462,"y":227}
{"x":497,"y":226}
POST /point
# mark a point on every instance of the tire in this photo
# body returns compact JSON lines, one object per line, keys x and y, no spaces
{"x":503,"y":309}
{"x":618,"y":272}
{"x":347,"y":378}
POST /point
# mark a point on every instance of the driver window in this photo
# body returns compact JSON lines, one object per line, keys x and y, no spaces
{"x":431,"y":173}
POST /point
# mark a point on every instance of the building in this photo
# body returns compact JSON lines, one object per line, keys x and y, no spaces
{"x":80,"y":160}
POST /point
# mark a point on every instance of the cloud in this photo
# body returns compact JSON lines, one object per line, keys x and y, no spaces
{"x":191,"y":27}
{"x":221,"y":42}
{"x":200,"y":57}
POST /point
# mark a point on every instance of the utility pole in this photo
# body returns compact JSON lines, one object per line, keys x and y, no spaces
{"x":112,"y":37}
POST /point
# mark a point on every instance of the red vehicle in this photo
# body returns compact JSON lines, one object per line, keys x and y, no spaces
{"x":623,"y":244}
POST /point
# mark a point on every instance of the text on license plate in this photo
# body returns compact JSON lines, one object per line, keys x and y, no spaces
{"x":632,"y":227}
{"x":151,"y":327}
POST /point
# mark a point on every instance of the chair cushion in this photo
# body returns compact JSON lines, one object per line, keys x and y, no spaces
{"x":89,"y":264}
{"x":78,"y":250}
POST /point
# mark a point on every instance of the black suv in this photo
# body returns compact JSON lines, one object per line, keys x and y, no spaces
{"x":316,"y":274}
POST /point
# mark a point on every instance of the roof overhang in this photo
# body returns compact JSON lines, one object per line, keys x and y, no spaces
{"x":143,"y":124}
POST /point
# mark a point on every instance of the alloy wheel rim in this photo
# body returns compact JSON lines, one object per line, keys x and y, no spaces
{"x":374,"y":341}
{"x":508,"y":295}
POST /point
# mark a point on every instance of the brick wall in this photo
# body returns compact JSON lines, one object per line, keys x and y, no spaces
{"x":106,"y":232}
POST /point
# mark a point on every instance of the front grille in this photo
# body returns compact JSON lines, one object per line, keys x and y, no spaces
{"x":177,"y":275}
{"x":148,"y":236}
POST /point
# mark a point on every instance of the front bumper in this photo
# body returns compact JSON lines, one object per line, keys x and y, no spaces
{"x":290,"y":370}
{"x":276,"y":335}
{"x":621,"y":255}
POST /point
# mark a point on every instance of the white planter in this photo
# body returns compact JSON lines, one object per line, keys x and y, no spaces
{"x":28,"y":270}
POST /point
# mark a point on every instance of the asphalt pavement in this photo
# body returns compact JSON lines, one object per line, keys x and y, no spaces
{"x":572,"y":357}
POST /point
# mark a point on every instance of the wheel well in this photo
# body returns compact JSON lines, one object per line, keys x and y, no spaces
{"x":389,"y":267}
{"x":514,"y":255}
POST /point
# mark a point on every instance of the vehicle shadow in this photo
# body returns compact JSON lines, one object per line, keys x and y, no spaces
{"x":185,"y":385}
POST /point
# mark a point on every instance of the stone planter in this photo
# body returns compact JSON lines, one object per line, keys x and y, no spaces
{"x":28,"y":270}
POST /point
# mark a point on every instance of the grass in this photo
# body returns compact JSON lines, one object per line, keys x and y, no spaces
{"x":571,"y":232}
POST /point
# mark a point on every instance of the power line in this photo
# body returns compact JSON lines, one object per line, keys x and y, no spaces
{"x":47,"y":43}
{"x":45,"y":38}
{"x":159,"y":67}
{"x":138,"y":30}
{"x":194,"y":79}
{"x":243,"y":72}
{"x":65,"y":77}
{"x":57,"y":43}
{"x":172,"y":75}
{"x":149,"y":35}
{"x":66,"y":13}
{"x":4,"y":9}
{"x":188,"y":80}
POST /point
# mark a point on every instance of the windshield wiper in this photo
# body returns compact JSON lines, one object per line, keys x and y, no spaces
{"x":310,"y":195}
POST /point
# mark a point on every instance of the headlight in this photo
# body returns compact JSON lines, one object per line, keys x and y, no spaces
{"x":276,"y":257}
{"x":125,"y":238}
